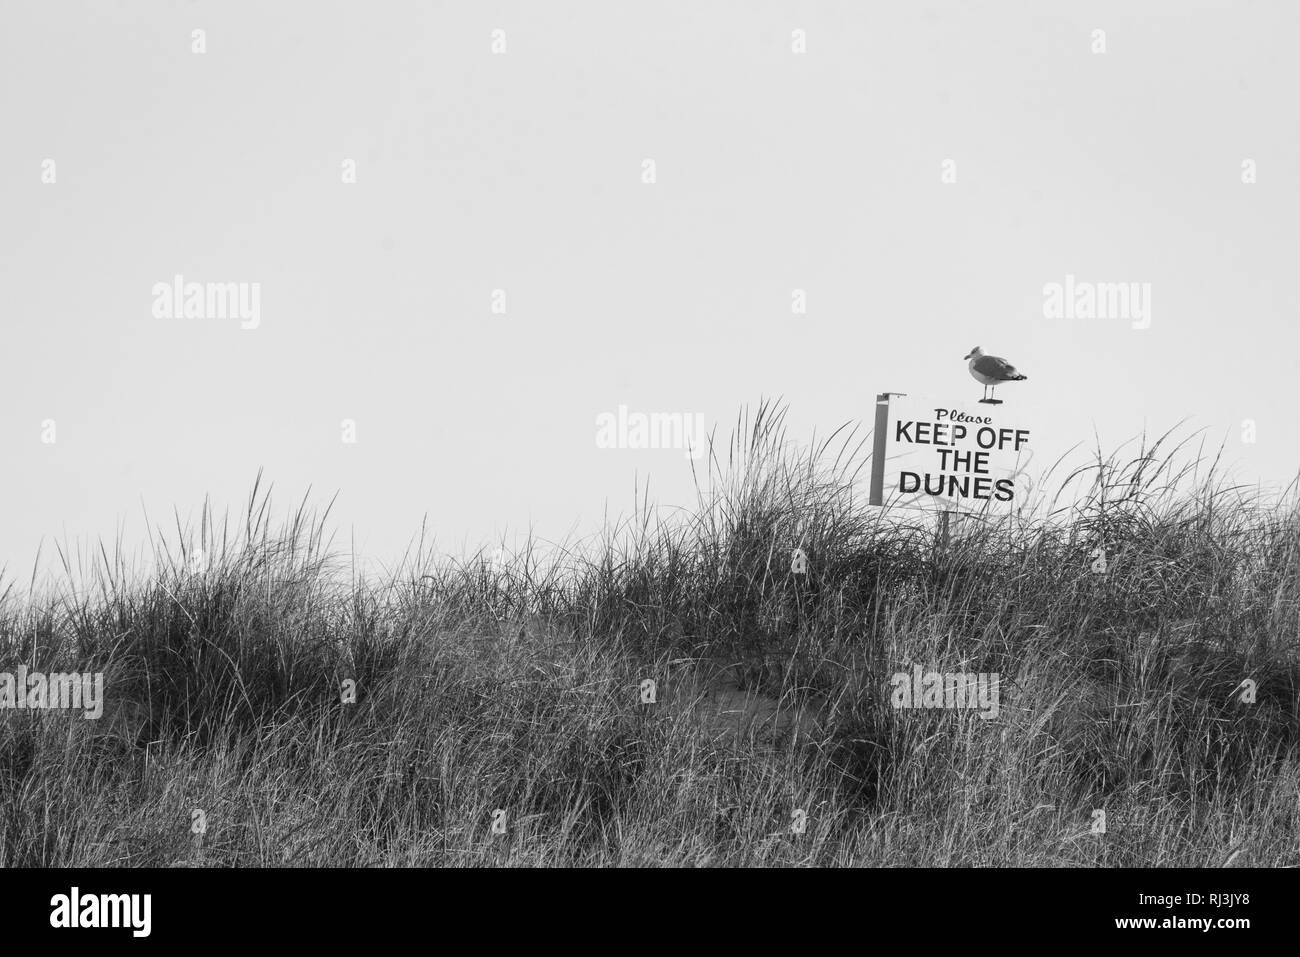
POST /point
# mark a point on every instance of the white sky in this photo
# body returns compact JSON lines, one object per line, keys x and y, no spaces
{"x":522,"y":171}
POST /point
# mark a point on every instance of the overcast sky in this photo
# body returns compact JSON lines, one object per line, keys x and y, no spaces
{"x":921,"y":172}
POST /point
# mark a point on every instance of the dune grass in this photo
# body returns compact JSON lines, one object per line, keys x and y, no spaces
{"x":511,"y":689}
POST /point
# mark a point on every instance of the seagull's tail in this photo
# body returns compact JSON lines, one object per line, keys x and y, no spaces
{"x":1017,"y":377}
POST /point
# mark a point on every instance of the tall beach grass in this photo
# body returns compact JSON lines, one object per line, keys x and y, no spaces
{"x":267,"y":704}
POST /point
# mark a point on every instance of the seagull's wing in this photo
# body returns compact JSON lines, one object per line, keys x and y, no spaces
{"x":995,"y":367}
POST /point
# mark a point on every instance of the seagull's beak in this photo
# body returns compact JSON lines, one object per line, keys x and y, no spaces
{"x":966,"y":356}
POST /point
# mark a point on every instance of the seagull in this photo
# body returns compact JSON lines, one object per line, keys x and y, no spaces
{"x":991,"y":371}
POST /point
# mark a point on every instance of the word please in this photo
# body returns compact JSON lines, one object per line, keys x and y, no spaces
{"x":956,"y":416}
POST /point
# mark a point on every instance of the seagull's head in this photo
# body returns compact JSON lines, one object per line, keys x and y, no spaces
{"x":974,"y":353}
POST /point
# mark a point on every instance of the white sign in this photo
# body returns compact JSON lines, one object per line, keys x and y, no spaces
{"x":948,"y":456}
